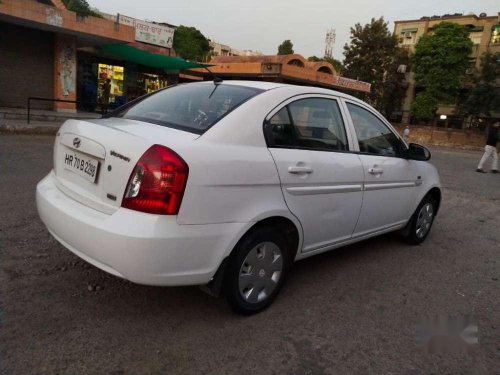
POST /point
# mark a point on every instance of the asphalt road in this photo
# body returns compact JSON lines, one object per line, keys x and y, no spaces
{"x":352,"y":311}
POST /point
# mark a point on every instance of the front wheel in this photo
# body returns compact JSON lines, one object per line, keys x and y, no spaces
{"x":256,"y":271}
{"x":421,"y":222}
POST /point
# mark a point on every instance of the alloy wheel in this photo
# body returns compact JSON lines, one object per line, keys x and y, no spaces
{"x":424,"y":220}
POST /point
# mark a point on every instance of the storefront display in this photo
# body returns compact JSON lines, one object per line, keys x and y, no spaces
{"x":128,"y":81}
{"x":116,"y":75}
{"x":152,"y":82}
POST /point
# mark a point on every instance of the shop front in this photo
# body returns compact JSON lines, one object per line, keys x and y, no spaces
{"x":127,"y":81}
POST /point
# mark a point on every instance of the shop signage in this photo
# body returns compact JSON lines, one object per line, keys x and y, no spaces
{"x":351,"y":84}
{"x":148,"y":32}
{"x":53,"y":16}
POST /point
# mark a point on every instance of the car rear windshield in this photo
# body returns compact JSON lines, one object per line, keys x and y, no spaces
{"x":191,"y":107}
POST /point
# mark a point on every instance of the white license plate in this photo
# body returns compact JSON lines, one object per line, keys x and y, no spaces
{"x":82,"y":165}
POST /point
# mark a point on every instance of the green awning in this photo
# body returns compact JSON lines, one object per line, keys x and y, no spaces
{"x":128,"y":53}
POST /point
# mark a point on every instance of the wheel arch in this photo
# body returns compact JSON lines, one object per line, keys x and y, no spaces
{"x":293,"y":234}
{"x":435,"y":192}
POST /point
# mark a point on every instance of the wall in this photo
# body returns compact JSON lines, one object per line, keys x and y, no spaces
{"x":35,"y":12}
{"x":21,"y":75}
{"x":65,"y":62}
{"x":428,"y":135}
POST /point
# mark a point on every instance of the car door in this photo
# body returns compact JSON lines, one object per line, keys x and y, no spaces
{"x":390,"y":179}
{"x":320,"y":178}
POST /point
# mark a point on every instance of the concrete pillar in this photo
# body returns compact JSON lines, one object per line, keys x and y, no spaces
{"x":65,"y":72}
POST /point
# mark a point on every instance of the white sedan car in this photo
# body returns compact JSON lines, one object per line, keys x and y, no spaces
{"x":226,"y":184}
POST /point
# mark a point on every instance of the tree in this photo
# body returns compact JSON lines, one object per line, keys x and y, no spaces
{"x":314,"y":58}
{"x":81,"y":7}
{"x":190,"y":43}
{"x":374,"y":56}
{"x":440,"y":61}
{"x":424,"y":106}
{"x":484,"y":97}
{"x":337,"y":64}
{"x":285,"y":48}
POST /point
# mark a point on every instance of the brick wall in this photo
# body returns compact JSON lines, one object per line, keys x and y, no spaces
{"x":428,"y":135}
{"x":26,"y":66}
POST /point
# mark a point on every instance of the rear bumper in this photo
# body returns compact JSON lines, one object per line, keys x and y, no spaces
{"x":143,"y":248}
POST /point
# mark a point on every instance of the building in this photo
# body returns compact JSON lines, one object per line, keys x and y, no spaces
{"x":250,"y":52}
{"x":50,"y":52}
{"x":218,"y":49}
{"x":293,"y":69}
{"x":484,"y":33}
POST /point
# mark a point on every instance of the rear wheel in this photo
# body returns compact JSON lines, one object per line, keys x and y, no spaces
{"x":256,"y":271}
{"x":421,"y":222}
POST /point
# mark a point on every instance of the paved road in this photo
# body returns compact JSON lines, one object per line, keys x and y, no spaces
{"x":351,"y":311}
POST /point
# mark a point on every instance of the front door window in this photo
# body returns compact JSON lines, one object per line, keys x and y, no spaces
{"x":374,"y":137}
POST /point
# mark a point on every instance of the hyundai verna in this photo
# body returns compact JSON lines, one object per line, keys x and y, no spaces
{"x":226,"y":184}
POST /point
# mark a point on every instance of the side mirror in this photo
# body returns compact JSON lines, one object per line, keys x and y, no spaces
{"x":418,"y":152}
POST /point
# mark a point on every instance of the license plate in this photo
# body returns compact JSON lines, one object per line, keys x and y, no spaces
{"x":82,"y":165}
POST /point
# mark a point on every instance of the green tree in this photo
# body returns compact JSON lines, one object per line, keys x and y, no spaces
{"x":314,"y":58}
{"x":439,"y":63}
{"x":81,"y":7}
{"x":190,"y":43}
{"x":484,"y":97}
{"x":337,"y":64}
{"x":374,"y":56}
{"x":285,"y":48}
{"x":424,"y":106}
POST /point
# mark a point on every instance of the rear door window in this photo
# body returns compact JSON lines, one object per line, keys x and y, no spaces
{"x":312,"y":123}
{"x":190,"y":107}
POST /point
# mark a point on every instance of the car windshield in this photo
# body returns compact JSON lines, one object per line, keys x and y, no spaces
{"x":190,"y":107}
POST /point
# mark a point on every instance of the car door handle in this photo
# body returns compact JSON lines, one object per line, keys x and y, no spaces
{"x":298,"y":170}
{"x":375,"y":170}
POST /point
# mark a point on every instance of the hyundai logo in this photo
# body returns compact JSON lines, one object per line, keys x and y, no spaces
{"x":77,"y":142}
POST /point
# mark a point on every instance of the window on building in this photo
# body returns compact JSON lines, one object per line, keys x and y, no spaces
{"x":296,"y":62}
{"x":495,"y":34}
{"x":476,"y":37}
{"x":409,"y":36}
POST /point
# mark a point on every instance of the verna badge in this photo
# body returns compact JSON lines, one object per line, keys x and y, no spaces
{"x":77,"y":142}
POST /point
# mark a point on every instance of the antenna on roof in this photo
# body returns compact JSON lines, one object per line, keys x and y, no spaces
{"x":329,"y":42}
{"x":217,"y":80}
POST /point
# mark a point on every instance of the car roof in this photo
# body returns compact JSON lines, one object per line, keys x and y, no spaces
{"x":263,"y":85}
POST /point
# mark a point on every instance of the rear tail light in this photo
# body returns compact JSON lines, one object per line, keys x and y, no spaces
{"x":157,"y":183}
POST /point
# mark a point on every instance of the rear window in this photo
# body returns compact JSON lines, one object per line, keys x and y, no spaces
{"x":191,"y":107}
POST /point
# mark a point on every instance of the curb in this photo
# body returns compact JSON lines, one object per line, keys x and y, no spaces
{"x":29,"y":129}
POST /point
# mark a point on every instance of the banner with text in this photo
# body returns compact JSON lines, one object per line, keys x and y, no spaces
{"x":148,"y":32}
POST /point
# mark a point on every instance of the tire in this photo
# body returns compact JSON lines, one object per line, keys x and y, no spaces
{"x":256,"y":270}
{"x":421,"y":222}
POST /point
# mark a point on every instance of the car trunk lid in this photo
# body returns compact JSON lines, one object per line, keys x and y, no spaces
{"x":93,"y":159}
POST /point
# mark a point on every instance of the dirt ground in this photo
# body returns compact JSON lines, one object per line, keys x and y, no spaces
{"x":351,"y":311}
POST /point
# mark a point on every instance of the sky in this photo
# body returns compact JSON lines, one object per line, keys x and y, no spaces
{"x":263,"y":24}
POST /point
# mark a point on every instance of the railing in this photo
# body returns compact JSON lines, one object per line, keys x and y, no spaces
{"x":46,"y":100}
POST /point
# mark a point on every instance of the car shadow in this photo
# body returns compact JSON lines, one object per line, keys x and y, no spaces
{"x":124,"y":300}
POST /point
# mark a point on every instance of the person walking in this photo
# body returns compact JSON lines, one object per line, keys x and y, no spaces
{"x":106,"y":91}
{"x":406,"y":133}
{"x":490,"y":150}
